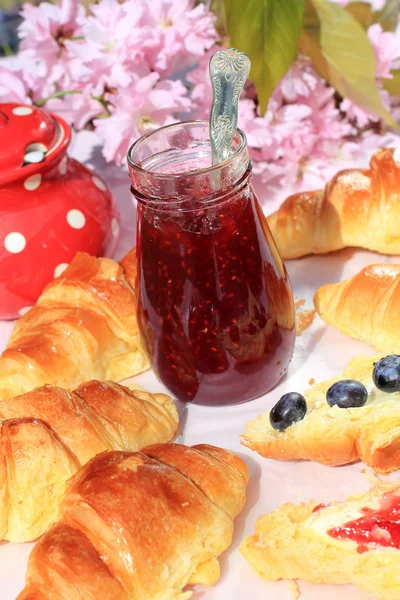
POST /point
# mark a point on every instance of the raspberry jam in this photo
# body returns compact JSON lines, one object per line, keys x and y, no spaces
{"x":377,"y":526}
{"x":215,"y":307}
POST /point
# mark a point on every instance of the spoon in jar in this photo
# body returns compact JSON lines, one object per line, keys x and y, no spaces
{"x":229,"y":70}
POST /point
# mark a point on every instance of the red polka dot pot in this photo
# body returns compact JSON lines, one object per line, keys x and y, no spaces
{"x":51,"y":206}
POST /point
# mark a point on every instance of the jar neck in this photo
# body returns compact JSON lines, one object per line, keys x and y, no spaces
{"x":171,"y":168}
{"x":196,"y":202}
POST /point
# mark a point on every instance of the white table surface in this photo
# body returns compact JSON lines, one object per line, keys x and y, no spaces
{"x":320,"y":352}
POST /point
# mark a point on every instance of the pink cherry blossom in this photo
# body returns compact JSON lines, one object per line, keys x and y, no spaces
{"x":114,"y":43}
{"x":303,"y":135}
{"x":201,"y":90}
{"x":386,"y":47}
{"x":185,"y":32}
{"x":43,"y":32}
{"x":300,"y":81}
{"x":128,"y":67}
{"x":13,"y":88}
{"x":76,"y":108}
{"x":58,"y":21}
{"x":257,"y":131}
{"x":144,"y":105}
{"x":361,"y":115}
{"x":20,"y":84}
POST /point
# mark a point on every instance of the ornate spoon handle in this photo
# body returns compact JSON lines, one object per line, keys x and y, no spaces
{"x":229,"y":70}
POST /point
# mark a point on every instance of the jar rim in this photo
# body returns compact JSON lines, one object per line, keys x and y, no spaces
{"x":175,"y":176}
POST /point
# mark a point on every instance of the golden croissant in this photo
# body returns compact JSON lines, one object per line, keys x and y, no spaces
{"x":83,"y":327}
{"x":140,"y":526}
{"x":47,"y":434}
{"x":337,"y":436}
{"x":356,"y":208}
{"x":314,"y":542}
{"x":365,"y":307}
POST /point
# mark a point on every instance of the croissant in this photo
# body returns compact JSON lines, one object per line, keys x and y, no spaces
{"x":356,"y":208}
{"x":83,"y":327}
{"x":337,"y":436}
{"x":140,"y":526}
{"x":47,"y":434}
{"x":365,"y":307}
{"x":309,"y":541}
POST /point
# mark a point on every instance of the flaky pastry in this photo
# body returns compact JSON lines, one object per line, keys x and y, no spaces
{"x":83,"y":327}
{"x":46,"y":435}
{"x":365,"y":306}
{"x":337,"y":436}
{"x":306,"y":541}
{"x":140,"y":525}
{"x":357,"y":207}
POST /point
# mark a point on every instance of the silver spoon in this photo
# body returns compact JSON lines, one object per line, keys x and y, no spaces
{"x":229,"y":70}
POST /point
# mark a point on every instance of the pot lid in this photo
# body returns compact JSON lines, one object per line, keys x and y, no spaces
{"x":30,"y":138}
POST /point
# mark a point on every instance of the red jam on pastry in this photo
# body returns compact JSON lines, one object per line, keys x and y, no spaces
{"x":377,"y":526}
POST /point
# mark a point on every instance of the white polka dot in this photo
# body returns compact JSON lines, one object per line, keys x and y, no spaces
{"x":23,"y":311}
{"x":59,"y":270}
{"x":76,"y":219}
{"x":62,"y":167}
{"x":99,"y":183}
{"x":33,"y":182}
{"x":36,"y":146}
{"x":22,"y":111}
{"x":115,"y":227}
{"x":34,"y":157}
{"x":14,"y":242}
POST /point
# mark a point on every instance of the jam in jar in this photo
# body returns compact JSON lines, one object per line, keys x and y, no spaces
{"x":215,"y":307}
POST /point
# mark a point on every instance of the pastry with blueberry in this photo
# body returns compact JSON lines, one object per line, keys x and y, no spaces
{"x":337,"y":422}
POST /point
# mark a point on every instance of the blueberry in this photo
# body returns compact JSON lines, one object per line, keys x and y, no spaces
{"x":347,"y":394}
{"x":289,"y":409}
{"x":386,"y":374}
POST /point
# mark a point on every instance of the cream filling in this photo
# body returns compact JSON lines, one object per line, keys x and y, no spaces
{"x":375,"y":396}
{"x":338,"y":515}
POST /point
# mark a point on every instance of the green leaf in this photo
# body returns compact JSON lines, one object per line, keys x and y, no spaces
{"x":342,"y":53}
{"x":268,"y":31}
{"x":218,"y":8}
{"x":6,"y":4}
{"x":393,"y":85}
{"x":388,"y":17}
{"x":362,"y":12}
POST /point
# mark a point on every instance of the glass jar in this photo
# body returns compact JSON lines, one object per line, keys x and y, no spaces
{"x":215,"y":307}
